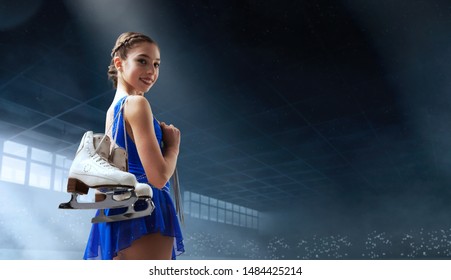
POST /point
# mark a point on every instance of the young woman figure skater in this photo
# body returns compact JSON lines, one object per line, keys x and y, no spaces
{"x":153,"y":149}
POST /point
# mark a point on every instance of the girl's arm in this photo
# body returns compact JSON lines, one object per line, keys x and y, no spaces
{"x":158,"y":167}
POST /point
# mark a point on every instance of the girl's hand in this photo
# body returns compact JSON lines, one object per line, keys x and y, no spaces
{"x":171,"y":136}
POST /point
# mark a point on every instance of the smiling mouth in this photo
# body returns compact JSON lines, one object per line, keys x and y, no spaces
{"x":146,"y":81}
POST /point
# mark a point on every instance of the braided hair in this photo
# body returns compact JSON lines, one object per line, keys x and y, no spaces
{"x":124,"y":42}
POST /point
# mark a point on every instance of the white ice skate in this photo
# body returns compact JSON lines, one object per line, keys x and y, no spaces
{"x":92,"y":169}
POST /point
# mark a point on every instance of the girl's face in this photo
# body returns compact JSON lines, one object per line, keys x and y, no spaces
{"x":140,"y":70}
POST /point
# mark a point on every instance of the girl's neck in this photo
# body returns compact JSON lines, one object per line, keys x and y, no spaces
{"x":121,"y":92}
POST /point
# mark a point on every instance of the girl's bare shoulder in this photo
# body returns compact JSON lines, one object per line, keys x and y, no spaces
{"x":137,"y":106}
{"x":138,"y":101}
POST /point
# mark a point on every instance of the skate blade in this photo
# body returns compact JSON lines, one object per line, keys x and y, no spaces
{"x":130,"y":214}
{"x":108,"y":202}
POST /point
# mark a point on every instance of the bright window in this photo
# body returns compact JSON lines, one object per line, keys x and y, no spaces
{"x":13,"y":148}
{"x":34,"y":167}
{"x":40,"y":175}
{"x":13,"y":170}
{"x":208,"y":208}
{"x":41,"y":156}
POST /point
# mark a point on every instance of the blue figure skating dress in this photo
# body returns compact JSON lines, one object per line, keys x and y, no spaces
{"x":107,"y":239}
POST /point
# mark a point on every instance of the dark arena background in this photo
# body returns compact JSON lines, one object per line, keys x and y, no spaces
{"x":313,"y":129}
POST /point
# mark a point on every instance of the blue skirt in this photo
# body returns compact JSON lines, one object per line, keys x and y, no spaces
{"x":107,"y":239}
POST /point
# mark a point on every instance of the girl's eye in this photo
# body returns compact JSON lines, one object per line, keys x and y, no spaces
{"x":142,"y":61}
{"x":157,"y":65}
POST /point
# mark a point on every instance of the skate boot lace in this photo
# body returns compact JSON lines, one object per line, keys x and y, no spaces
{"x":102,"y":162}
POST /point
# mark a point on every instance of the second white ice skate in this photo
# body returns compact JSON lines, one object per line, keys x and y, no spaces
{"x":144,"y":194}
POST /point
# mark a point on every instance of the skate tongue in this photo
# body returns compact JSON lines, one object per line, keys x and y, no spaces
{"x":102,"y":145}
